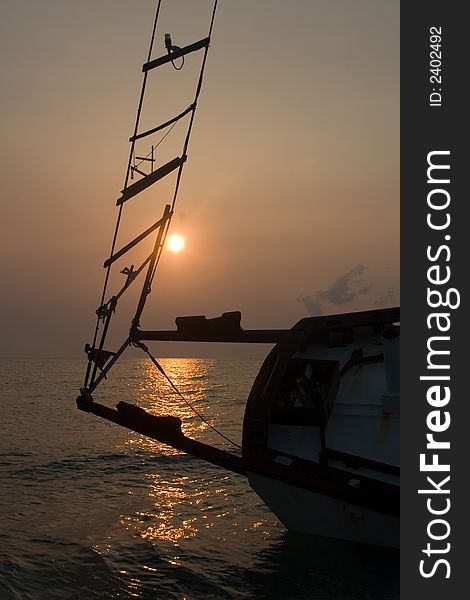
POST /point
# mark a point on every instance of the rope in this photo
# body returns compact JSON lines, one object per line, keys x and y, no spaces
{"x":162,"y":371}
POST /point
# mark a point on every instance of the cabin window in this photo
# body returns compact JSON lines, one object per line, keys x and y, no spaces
{"x":306,"y":392}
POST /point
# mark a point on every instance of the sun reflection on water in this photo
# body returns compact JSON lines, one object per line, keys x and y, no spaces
{"x":181,"y":507}
{"x":181,"y":510}
{"x":155,"y":395}
{"x":180,"y":503}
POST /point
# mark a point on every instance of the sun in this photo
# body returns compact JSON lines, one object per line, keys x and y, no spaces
{"x":176,"y":243}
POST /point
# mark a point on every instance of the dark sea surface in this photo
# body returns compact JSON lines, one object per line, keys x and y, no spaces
{"x":90,"y":510}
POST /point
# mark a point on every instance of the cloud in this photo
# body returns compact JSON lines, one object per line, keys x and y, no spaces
{"x":312,"y":304}
{"x":343,"y":290}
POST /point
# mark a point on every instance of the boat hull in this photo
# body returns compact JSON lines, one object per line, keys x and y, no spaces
{"x":304,"y":511}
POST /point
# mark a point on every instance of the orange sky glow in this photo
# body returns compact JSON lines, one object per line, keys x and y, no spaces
{"x":289,"y":201}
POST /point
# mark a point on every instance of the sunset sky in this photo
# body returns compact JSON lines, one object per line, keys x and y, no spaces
{"x":289,"y":202}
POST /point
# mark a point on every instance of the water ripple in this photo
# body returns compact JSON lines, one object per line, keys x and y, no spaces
{"x":91,"y":511}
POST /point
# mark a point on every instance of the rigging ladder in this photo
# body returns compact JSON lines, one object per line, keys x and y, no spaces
{"x":100,"y":360}
{"x":225,"y":328}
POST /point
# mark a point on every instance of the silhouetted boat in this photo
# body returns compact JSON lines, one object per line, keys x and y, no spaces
{"x":321,"y":427}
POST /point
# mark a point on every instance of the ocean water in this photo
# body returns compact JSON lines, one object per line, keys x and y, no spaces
{"x":89,"y":510}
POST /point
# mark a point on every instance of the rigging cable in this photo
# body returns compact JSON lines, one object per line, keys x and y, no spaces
{"x":163,"y":372}
{"x":180,"y":170}
{"x":159,"y":248}
{"x":126,"y":181}
{"x":181,"y":65}
{"x":186,"y":141}
{"x":156,"y":145}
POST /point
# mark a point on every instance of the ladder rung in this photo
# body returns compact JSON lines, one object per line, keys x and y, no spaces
{"x":148,"y":180}
{"x":163,"y":125}
{"x":162,"y":60}
{"x":138,"y":239}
